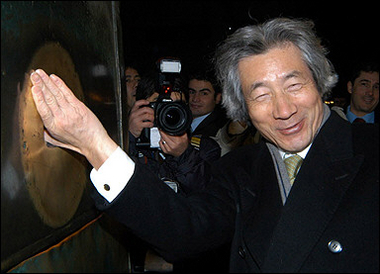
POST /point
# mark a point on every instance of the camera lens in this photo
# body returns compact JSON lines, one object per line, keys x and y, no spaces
{"x":174,"y":118}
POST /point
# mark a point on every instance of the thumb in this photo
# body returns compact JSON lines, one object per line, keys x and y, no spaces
{"x":52,"y":142}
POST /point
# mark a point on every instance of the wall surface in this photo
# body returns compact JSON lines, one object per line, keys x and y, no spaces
{"x":44,"y":190}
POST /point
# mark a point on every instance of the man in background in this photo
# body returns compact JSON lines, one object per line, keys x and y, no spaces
{"x":364,"y":89}
{"x":204,"y":102}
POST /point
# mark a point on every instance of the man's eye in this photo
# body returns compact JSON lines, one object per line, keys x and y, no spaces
{"x":261,"y":97}
{"x":295,"y":87}
{"x":365,"y":84}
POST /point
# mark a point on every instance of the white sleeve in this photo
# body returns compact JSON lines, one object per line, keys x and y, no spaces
{"x":111,"y":178}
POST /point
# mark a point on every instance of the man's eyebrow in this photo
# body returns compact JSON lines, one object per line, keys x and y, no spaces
{"x":365,"y":80}
{"x":256,"y":85}
{"x":203,"y":89}
{"x":294,"y":73}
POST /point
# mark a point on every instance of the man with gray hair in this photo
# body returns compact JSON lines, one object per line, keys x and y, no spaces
{"x":304,"y":199}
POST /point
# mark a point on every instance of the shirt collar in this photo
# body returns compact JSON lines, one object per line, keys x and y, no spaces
{"x":369,"y":118}
{"x":302,"y":153}
{"x":196,"y":121}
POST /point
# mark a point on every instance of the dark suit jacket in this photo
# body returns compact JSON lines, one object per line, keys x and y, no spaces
{"x":210,"y":126}
{"x":335,"y":197}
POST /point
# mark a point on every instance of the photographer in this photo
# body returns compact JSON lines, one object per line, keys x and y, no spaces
{"x":184,"y":165}
{"x":180,"y":159}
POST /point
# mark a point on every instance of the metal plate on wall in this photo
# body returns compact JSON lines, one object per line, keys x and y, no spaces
{"x":45,"y":191}
{"x":55,"y":178}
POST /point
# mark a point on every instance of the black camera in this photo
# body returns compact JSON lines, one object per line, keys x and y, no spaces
{"x":172,"y":117}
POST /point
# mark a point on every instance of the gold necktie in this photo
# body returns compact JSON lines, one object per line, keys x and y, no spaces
{"x":293,"y":164}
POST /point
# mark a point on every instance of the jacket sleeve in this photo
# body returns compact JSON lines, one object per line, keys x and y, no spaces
{"x":178,"y":226}
{"x":193,"y":168}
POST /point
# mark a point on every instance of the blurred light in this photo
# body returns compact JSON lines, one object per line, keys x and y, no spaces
{"x":99,"y":70}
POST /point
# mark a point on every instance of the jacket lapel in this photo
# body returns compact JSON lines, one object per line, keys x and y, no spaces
{"x":206,"y":123}
{"x":326,"y":173}
{"x":259,"y":198}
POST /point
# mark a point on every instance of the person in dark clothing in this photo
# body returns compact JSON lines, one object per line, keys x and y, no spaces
{"x":132,"y":79}
{"x":204,"y":100}
{"x":303,"y":199}
{"x":184,"y":159}
{"x":186,"y":167}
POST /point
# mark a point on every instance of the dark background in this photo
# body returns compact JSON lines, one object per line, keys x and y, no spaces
{"x":191,"y":30}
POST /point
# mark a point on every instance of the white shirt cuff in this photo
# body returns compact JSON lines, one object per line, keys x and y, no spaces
{"x":111,"y":178}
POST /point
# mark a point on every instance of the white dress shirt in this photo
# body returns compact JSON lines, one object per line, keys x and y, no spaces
{"x":111,"y":178}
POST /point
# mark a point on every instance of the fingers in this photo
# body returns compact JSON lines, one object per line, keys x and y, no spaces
{"x":53,"y":95}
{"x":163,"y":143}
{"x":142,"y":113}
{"x":52,"y":105}
{"x":165,"y":147}
{"x":139,"y":103}
{"x":49,"y":98}
{"x":66,"y":92}
{"x":173,"y":145}
{"x":140,"y":117}
{"x":39,"y":99}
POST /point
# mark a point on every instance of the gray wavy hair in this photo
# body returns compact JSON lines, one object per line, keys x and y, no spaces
{"x":258,"y":39}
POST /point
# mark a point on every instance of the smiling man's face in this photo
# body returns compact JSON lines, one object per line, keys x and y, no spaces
{"x":282,"y":98}
{"x":202,"y":97}
{"x":364,"y":93}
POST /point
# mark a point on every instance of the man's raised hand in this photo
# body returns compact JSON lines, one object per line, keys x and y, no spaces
{"x":68,"y":122}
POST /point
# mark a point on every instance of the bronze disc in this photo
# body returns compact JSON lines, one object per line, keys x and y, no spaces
{"x":55,"y":177}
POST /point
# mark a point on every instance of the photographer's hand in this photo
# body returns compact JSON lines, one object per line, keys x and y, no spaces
{"x":68,"y":122}
{"x":174,"y":145}
{"x":140,"y":118}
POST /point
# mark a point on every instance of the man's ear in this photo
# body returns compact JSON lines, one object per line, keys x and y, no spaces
{"x":349,"y":87}
{"x":218,"y":98}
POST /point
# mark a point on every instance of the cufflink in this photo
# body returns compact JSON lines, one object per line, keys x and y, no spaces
{"x":106,"y":187}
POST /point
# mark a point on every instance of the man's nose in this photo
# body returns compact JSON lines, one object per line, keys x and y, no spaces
{"x":283,"y":107}
{"x":195,"y":97}
{"x":372,"y":89}
{"x":134,"y":83}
